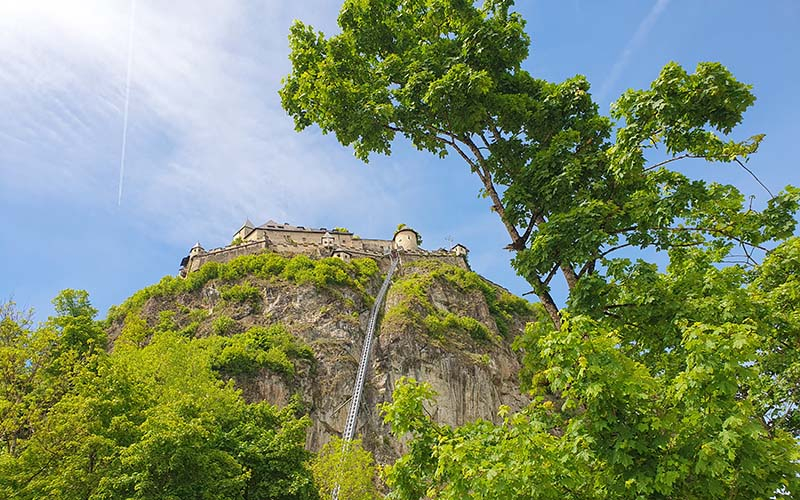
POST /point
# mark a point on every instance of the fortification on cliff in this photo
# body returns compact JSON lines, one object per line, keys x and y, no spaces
{"x":289,"y":240}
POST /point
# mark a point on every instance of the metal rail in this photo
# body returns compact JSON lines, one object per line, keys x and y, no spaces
{"x":358,"y":389}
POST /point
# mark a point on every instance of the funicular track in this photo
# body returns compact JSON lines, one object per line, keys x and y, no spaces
{"x":358,"y":388}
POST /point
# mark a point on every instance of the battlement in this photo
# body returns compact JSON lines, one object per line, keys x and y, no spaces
{"x":289,"y":240}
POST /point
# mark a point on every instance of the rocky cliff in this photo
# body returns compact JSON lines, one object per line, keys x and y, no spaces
{"x":292,"y":328}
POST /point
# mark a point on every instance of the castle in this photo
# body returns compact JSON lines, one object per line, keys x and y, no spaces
{"x":286,"y":239}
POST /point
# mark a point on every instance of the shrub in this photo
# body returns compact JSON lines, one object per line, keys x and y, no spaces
{"x":271,"y":347}
{"x":440,"y":326}
{"x":241,"y":294}
{"x":223,"y":325}
{"x":166,"y":321}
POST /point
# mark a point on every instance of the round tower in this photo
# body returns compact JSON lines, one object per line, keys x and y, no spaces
{"x":196,"y":250}
{"x":406,"y":239}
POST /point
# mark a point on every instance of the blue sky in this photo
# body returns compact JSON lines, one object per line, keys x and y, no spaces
{"x":209,"y":145}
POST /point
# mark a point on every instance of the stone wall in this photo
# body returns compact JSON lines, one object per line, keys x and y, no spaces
{"x":225,"y":254}
{"x":374,"y":249}
{"x":442,"y":255}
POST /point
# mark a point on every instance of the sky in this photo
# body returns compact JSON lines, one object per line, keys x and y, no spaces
{"x":208,"y":145}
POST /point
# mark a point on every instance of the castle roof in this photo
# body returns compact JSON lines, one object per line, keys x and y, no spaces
{"x":406,"y":228}
{"x":458,"y":245}
{"x":247,"y":225}
{"x":271,"y":224}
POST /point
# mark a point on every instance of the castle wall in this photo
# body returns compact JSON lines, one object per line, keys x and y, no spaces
{"x":372,"y":245}
{"x":225,"y":254}
{"x":309,"y":242}
{"x":282,"y":236}
{"x":443,"y":255}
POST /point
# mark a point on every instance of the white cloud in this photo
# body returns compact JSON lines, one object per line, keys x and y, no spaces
{"x":207,"y":142}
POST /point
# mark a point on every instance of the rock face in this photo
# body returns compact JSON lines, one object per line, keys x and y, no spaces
{"x":441,"y":325}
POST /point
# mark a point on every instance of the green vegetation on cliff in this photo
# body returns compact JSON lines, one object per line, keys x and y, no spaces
{"x":270,"y":347}
{"x":346,"y":466}
{"x":416,"y":284}
{"x":328,"y":273}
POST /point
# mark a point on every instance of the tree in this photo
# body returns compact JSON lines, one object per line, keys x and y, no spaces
{"x":679,"y":383}
{"x":147,"y":420}
{"x":447,"y":75}
{"x":349,"y":467}
{"x":692,"y":398}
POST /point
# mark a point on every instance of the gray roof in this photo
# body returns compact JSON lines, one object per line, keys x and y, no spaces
{"x":271,"y":224}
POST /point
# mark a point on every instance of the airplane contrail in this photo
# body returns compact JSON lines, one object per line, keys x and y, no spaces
{"x":633,"y":44}
{"x":127,"y":100}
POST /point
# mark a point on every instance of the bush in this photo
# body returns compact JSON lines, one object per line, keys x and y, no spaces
{"x":166,"y":321}
{"x":502,"y":305}
{"x":259,"y":347}
{"x":242,"y":294}
{"x":223,"y":325}
{"x":442,"y":325}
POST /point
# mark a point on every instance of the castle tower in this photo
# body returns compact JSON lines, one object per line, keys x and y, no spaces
{"x":327,"y":240}
{"x":406,"y":239}
{"x":460,"y":250}
{"x":244,"y":231}
{"x":196,"y":250}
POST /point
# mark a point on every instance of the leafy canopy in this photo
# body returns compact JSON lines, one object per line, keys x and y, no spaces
{"x":348,"y":466}
{"x":447,"y":75}
{"x":651,"y":383}
{"x":145,"y":421}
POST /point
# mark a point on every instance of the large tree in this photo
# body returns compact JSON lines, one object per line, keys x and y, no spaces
{"x":652,"y":383}
{"x":446,"y":74}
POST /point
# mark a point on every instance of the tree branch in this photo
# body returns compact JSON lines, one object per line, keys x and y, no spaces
{"x":693,"y":228}
{"x":488,"y":185}
{"x":741,"y":164}
{"x":550,"y":274}
{"x":485,"y":142}
{"x":674,"y":158}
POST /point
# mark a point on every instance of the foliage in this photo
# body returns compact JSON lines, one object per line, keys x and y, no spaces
{"x":440,"y":325}
{"x":166,"y":321}
{"x":270,"y":347}
{"x":341,"y":230}
{"x":651,"y":383}
{"x":223,"y":325}
{"x":323,"y":273}
{"x":237,"y":241}
{"x":447,"y":76}
{"x":243,"y":293}
{"x":415,"y":306}
{"x":139,"y":422}
{"x":348,"y":466}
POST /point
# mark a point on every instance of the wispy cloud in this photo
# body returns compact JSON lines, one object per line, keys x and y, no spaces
{"x":207,"y":140}
{"x":633,"y":45}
